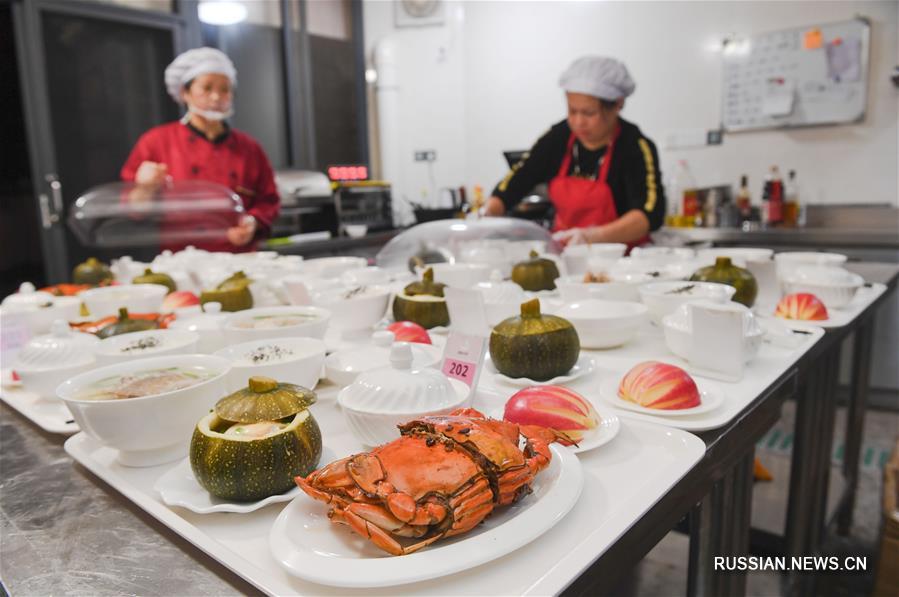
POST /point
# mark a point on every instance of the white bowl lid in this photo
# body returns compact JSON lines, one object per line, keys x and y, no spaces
{"x":398,"y":388}
{"x":62,"y":347}
{"x":28,"y":296}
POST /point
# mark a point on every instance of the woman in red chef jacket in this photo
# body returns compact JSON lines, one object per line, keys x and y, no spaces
{"x":201,"y":146}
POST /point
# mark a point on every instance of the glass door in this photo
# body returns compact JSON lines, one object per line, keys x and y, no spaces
{"x":92,"y":80}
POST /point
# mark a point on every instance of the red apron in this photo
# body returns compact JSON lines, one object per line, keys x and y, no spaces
{"x":581,"y":202}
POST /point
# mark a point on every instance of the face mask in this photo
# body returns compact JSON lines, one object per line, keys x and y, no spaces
{"x":211,"y":114}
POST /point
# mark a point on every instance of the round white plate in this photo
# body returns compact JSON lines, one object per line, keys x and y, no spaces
{"x":608,"y":428}
{"x":6,"y":379}
{"x":585,"y":365}
{"x":307,"y":545}
{"x":710,"y":396}
{"x":179,"y":487}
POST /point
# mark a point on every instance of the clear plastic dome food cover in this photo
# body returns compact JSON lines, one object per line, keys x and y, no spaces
{"x":184,"y":212}
{"x":499,"y":242}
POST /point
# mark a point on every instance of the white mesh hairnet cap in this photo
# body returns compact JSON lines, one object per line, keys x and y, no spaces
{"x":605,"y":78}
{"x":193,"y":63}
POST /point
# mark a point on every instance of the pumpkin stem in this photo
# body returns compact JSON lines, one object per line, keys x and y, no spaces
{"x":722,"y":262}
{"x":260,"y":384}
{"x":428,"y":276}
{"x":148,"y":272}
{"x":123,"y":313}
{"x":530,"y":308}
{"x":533,"y":254}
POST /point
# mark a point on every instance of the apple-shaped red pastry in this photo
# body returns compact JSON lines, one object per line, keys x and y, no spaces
{"x":555,"y":407}
{"x":178,"y":300}
{"x":409,"y":331}
{"x":659,"y":385}
{"x":801,"y":305}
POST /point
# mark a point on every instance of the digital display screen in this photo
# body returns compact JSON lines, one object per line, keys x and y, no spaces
{"x":348,"y":172}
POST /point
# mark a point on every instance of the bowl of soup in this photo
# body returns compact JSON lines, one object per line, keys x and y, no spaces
{"x":146,"y":409}
{"x":276,"y":322}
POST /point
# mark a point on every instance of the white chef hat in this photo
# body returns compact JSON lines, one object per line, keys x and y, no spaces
{"x":193,"y":63}
{"x":605,"y":78}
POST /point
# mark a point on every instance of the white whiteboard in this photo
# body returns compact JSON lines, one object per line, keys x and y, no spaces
{"x":797,"y":77}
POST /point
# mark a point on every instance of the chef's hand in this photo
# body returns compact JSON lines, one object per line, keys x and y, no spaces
{"x":572,"y":236}
{"x":149,"y":177}
{"x":242,"y":234}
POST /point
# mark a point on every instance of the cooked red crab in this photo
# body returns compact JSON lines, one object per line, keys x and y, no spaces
{"x":443,"y":476}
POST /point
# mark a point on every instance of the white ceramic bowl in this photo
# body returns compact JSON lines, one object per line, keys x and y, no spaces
{"x":678,"y":329}
{"x":153,"y":429}
{"x":149,"y":343}
{"x":461,"y":275}
{"x":366,"y":276}
{"x":604,"y":324}
{"x":137,"y":298}
{"x":376,"y":427}
{"x":573,"y":288}
{"x":355,"y":230}
{"x":40,"y":317}
{"x":244,"y":326}
{"x":663,"y":298}
{"x":207,"y":323}
{"x":789,"y":261}
{"x":354,"y":308}
{"x":332,"y":267}
{"x":48,"y":360}
{"x":662,"y":255}
{"x":292,"y":360}
{"x":835,"y":286}
{"x":576,"y":257}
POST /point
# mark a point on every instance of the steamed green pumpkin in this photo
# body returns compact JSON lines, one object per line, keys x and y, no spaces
{"x":534,"y":345}
{"x":125,"y":325}
{"x":255,"y":441}
{"x":93,"y":272}
{"x":536,"y":273}
{"x":233,"y":293}
{"x":422,"y":302}
{"x":151,"y":277}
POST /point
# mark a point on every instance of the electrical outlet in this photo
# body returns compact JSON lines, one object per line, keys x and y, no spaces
{"x":425,"y":155}
{"x":715,"y":137}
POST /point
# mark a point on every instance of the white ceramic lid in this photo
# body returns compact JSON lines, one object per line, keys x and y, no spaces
{"x":210,"y":320}
{"x":145,"y":343}
{"x":368,"y":358}
{"x":682,"y":318}
{"x":60,"y":348}
{"x":27,"y":297}
{"x":398,"y":388}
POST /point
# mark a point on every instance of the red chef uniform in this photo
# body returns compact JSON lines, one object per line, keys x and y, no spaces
{"x":234,"y":159}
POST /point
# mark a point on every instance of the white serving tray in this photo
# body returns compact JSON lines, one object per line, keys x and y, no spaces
{"x":49,"y":415}
{"x":612,"y":499}
{"x":649,"y":345}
